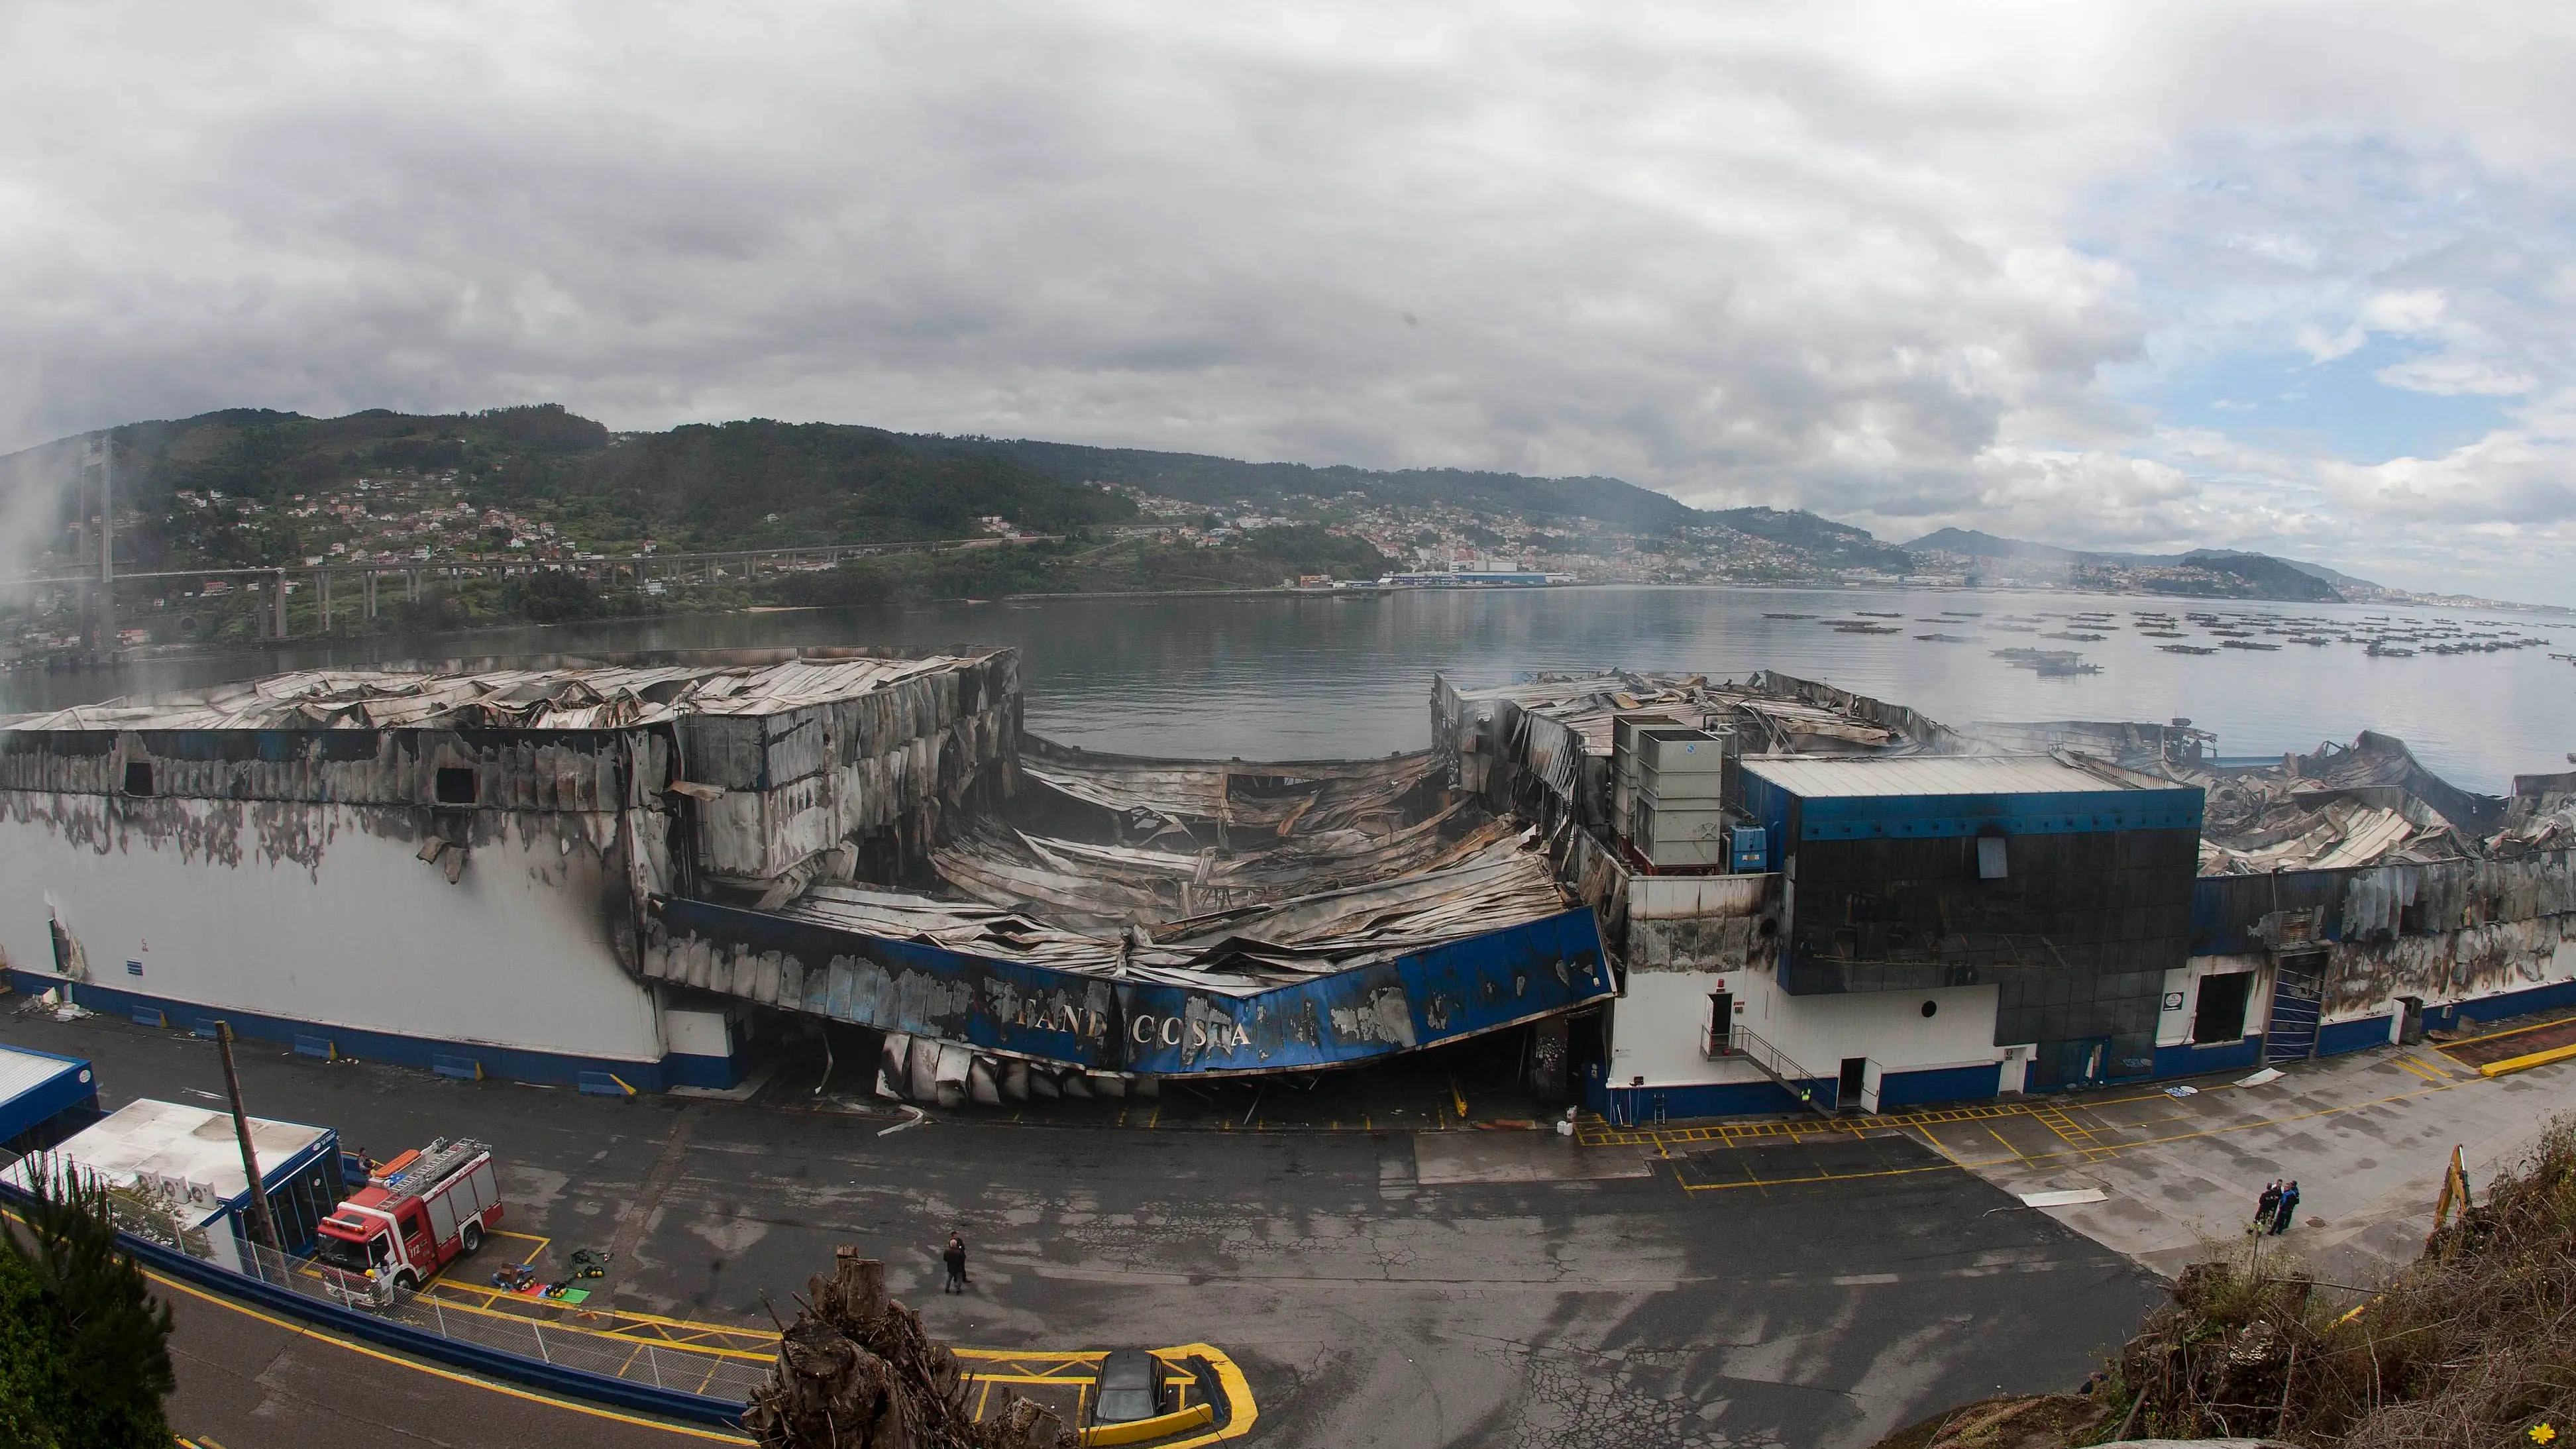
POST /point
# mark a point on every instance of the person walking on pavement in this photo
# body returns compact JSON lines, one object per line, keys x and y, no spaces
{"x":2266,"y":1207}
{"x":2289,"y":1205}
{"x":956,"y":1258}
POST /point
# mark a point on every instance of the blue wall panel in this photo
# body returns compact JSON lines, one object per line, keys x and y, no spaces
{"x":70,"y":1093}
{"x":2466,"y":1015}
{"x":1943,"y":1084}
{"x":2189,"y":1060}
{"x":1442,"y":993}
{"x":511,"y":1063}
{"x":1636,"y":1106}
{"x":2336,"y":1037}
{"x":1862,"y":817}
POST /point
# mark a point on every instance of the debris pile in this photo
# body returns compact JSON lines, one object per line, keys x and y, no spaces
{"x":856,"y":1371}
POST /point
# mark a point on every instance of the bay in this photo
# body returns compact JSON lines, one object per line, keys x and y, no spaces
{"x":1303,"y":677}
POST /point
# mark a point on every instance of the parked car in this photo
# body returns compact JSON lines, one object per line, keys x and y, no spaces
{"x":1131,"y":1387}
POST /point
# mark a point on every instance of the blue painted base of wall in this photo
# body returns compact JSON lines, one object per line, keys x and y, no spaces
{"x":508,"y":1063}
{"x":681,"y":1069}
{"x":1945,"y":1084}
{"x":2197,"y":1059}
{"x":2467,"y":1014}
{"x":1635,"y":1106}
{"x":2337,"y":1037}
{"x":1644,"y":1106}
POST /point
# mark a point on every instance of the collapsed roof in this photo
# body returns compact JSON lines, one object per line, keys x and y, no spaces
{"x":1772,"y":713}
{"x":576,"y":696}
{"x":1227,"y":872}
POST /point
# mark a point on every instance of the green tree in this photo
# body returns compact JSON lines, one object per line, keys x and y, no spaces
{"x":84,"y":1347}
{"x":551,"y":598}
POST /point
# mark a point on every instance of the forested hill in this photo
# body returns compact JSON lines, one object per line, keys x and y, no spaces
{"x":1227,"y":482}
{"x":250,"y":487}
{"x":731,"y":485}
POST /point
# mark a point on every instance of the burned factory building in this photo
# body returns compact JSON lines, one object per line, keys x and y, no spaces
{"x":1908,"y":913}
{"x":450,"y":866}
{"x":1665,"y":896}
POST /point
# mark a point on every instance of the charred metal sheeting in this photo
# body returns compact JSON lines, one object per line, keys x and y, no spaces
{"x":1089,"y":885}
{"x":1236,"y":951}
{"x":1277,"y":798}
{"x":2289,"y":909}
{"x":1224,"y":1016}
{"x":1541,"y":747}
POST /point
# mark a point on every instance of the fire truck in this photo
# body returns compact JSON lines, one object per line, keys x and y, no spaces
{"x":417,"y":1213}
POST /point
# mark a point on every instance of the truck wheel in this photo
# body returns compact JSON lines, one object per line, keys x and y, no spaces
{"x":471,"y":1238}
{"x":407,"y":1281}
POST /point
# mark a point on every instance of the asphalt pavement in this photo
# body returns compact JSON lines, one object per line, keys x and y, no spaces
{"x":1378,"y":1288}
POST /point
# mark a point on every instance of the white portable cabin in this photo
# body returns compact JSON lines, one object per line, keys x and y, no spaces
{"x":190,"y":1158}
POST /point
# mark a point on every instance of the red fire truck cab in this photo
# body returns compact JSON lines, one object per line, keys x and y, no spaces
{"x":417,"y":1213}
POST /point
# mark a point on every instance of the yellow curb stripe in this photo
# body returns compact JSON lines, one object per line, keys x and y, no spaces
{"x":2526,"y":1063}
{"x":2501,"y":1035}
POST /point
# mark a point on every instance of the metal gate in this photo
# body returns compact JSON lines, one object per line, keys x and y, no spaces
{"x":2298,"y":991}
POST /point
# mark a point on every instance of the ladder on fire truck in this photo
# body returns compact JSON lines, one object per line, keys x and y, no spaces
{"x":433,"y":1165}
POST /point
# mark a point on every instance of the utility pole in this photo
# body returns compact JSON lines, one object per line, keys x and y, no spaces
{"x":267,"y":1226}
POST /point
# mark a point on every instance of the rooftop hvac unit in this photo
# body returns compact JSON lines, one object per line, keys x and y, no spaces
{"x":1680,"y":751}
{"x":1682,"y":767}
{"x":1624,"y":729}
{"x":1671,"y":835}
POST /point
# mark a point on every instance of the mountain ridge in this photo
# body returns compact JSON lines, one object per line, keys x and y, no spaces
{"x":1976,"y":543}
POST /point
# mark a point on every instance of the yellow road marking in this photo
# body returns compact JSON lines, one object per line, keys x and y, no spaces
{"x":2501,"y":1035}
{"x":2092,"y":1154}
{"x":2525,"y":1063}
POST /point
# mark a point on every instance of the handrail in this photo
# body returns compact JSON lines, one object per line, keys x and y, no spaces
{"x":1821,"y":1093}
{"x":557,"y":1378}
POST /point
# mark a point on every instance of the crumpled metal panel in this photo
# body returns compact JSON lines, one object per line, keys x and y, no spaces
{"x":1444,"y":992}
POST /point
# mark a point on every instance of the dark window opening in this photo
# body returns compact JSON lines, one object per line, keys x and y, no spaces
{"x":2221,"y":1017}
{"x":138,"y":777}
{"x":455,"y":785}
{"x":1931,"y":1008}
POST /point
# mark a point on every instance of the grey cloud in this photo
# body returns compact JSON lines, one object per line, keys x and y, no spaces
{"x":1878,"y":270}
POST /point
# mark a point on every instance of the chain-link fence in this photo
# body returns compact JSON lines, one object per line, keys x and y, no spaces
{"x":510,"y":1328}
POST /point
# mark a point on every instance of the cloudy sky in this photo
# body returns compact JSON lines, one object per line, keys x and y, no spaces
{"x":2287,"y":277}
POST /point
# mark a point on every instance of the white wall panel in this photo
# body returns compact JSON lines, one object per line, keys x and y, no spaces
{"x":330,"y":917}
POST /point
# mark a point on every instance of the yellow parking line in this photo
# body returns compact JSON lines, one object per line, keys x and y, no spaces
{"x":2419,"y":1069}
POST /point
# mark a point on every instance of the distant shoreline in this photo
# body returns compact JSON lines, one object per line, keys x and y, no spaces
{"x":182,"y":653}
